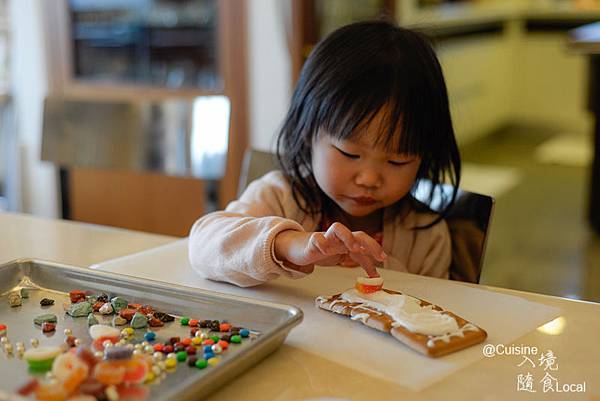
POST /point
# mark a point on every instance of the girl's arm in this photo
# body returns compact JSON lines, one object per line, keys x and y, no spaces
{"x":236,"y":245}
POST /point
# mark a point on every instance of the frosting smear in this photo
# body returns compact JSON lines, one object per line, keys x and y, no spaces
{"x":406,"y":311}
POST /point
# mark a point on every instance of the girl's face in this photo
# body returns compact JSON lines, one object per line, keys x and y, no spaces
{"x":359,"y":177}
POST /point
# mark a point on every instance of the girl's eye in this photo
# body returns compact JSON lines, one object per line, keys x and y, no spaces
{"x":403,"y":163}
{"x":350,"y":155}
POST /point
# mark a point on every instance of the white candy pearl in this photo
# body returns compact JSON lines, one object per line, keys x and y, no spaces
{"x":68,"y":332}
{"x":35,"y":342}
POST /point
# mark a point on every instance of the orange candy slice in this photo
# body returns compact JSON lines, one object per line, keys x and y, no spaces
{"x":368,"y":285}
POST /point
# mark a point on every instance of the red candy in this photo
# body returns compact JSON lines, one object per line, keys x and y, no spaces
{"x":208,"y":341}
{"x":168,"y":349}
{"x":154,"y":322}
{"x":224,"y":344}
{"x":158,"y":347}
{"x":28,"y":387}
{"x":223,"y":327}
{"x":186,"y":341}
{"x":191,"y":350}
{"x":77,"y":296}
{"x":48,"y":327}
{"x":97,"y":306}
{"x":193,"y":323}
{"x":127,"y":313}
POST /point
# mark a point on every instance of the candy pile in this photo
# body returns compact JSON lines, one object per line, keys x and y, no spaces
{"x":117,"y":364}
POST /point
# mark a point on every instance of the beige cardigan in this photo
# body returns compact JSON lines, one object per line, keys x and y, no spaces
{"x":236,"y":245}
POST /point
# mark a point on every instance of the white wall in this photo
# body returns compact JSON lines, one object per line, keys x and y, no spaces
{"x":29,"y":86}
{"x":269,"y":69}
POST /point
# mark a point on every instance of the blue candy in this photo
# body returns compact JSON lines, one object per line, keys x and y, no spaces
{"x":150,"y":336}
{"x":208,"y":348}
{"x":208,"y":355}
{"x":244,"y":333}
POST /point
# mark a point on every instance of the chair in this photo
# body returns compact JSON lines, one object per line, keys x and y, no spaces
{"x":468,"y":221}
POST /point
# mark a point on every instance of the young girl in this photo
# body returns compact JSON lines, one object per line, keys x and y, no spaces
{"x":368,"y":120}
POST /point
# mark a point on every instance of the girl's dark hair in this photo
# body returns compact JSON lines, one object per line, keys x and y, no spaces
{"x":348,"y":78}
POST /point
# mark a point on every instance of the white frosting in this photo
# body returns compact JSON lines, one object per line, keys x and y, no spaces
{"x":406,"y":311}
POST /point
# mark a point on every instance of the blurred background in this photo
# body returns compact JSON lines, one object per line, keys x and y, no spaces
{"x":137,"y":113}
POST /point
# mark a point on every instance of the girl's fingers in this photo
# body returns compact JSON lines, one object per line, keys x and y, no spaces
{"x":326,"y":246}
{"x":344,"y":235}
{"x":366,"y":263}
{"x":370,"y":246}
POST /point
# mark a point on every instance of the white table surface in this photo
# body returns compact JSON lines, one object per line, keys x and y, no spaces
{"x":293,"y":373}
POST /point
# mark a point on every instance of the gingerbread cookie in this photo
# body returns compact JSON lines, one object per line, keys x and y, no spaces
{"x":422,"y":326}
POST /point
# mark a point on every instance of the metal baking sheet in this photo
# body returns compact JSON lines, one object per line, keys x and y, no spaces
{"x":269,"y":322}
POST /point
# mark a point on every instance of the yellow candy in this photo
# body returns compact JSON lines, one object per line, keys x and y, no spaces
{"x":149,"y":377}
{"x":127,"y":331}
{"x":213,"y":361}
{"x":171,"y":363}
{"x":196,"y":341}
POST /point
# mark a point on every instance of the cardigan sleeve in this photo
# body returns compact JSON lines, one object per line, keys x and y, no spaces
{"x":236,"y":245}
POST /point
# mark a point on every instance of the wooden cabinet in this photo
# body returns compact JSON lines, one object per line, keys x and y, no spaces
{"x":168,"y":49}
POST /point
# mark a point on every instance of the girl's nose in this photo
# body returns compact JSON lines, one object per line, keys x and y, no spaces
{"x":368,"y":178}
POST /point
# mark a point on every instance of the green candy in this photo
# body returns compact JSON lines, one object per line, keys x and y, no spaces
{"x":236,"y":339}
{"x":201,"y":363}
{"x":80,"y":309}
{"x":91,"y":320}
{"x":40,"y":366}
{"x":215,"y":338}
{"x":139,"y":321}
{"x":118,"y":303}
{"x":49,"y":317}
{"x":185,"y":321}
{"x":182,"y":356}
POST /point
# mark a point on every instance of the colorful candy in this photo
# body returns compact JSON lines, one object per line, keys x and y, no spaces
{"x":69,"y":370}
{"x":103,"y":331}
{"x":368,"y":285}
{"x":106,"y":309}
{"x":77,"y":296}
{"x":40,"y":359}
{"x":14,"y":299}
{"x":149,"y":336}
{"x":3,"y":330}
{"x":109,"y":372}
{"x":46,"y":302}
{"x":119,"y":303}
{"x":139,"y":321}
{"x":80,"y":309}
{"x":91,"y":320}
{"x":48,"y":317}
{"x":48,"y":327}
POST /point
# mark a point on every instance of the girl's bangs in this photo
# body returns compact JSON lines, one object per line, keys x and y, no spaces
{"x":347,"y":116}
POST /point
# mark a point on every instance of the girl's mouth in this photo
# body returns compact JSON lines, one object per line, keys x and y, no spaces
{"x":364,"y":200}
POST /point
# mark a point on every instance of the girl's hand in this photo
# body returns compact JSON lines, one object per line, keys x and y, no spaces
{"x":302,"y":250}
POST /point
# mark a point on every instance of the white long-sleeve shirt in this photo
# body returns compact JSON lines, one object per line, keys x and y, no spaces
{"x":236,"y":245}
